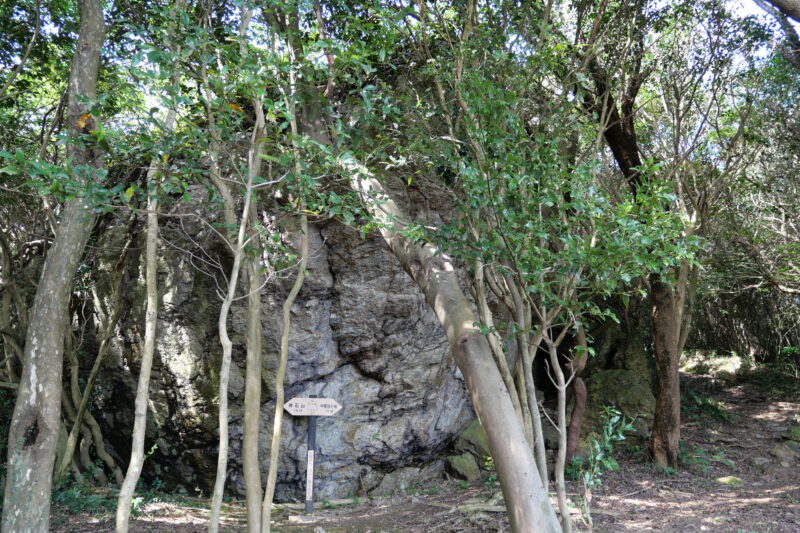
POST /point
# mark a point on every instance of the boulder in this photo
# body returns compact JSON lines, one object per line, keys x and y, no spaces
{"x":625,"y":390}
{"x":721,"y":366}
{"x":404,"y":478}
{"x":730,"y":480}
{"x":464,"y":466}
{"x":793,"y":433}
{"x":361,"y":333}
{"x":473,"y":439}
{"x":786,"y":452}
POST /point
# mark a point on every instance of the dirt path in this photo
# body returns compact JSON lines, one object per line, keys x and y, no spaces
{"x":731,"y":436}
{"x":726,"y":434}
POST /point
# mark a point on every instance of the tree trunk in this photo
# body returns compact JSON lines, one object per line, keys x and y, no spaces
{"x":252,"y":398}
{"x":529,"y":508}
{"x":252,"y":267}
{"x":275,"y":448}
{"x":561,"y":420}
{"x":136,"y":463}
{"x":578,"y":411}
{"x":225,"y":365}
{"x":35,"y":423}
{"x":667,"y":421}
{"x":274,"y":451}
{"x":790,"y":7}
{"x":143,"y":387}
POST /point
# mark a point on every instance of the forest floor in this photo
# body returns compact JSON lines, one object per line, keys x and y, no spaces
{"x":729,"y":483}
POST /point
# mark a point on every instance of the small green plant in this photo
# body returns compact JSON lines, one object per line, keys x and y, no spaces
{"x":137,"y":506}
{"x":413,"y":488}
{"x":599,"y":459}
{"x":77,"y":495}
{"x":491,"y":478}
{"x":788,"y":361}
{"x":695,"y":456}
{"x":666,"y":471}
{"x":773,"y":381}
{"x":463,"y":485}
{"x":635,"y":451}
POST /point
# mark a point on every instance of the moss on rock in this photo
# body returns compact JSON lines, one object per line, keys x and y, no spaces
{"x":464,"y":466}
{"x":626,"y":390}
{"x":473,"y":439}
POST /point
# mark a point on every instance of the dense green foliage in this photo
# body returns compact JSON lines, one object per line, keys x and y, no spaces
{"x":492,"y":123}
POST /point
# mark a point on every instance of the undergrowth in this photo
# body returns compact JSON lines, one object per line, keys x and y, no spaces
{"x":77,"y":494}
{"x":775,"y":381}
{"x":701,"y":406}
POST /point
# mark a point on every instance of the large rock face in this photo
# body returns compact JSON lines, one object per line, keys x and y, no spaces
{"x":361,"y":333}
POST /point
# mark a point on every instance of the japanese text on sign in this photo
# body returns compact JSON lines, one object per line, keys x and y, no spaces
{"x":312,"y":407}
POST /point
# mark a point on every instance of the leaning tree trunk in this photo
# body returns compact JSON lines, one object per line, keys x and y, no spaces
{"x":35,"y":423}
{"x":667,"y":420}
{"x":528,"y":505}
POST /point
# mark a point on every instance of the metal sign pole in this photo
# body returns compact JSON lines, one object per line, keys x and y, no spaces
{"x":312,"y":448}
{"x":312,"y":407}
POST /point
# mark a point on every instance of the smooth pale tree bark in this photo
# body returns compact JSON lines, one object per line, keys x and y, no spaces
{"x":561,"y":456}
{"x":14,"y":73}
{"x":252,"y":272}
{"x":143,"y":387}
{"x":275,"y":448}
{"x":782,"y":11}
{"x":35,"y":423}
{"x":235,"y":241}
{"x":225,"y":365}
{"x":495,"y":342}
{"x":528,"y":505}
{"x":136,"y":462}
{"x":252,"y":398}
{"x":280,"y":376}
{"x":528,"y":347}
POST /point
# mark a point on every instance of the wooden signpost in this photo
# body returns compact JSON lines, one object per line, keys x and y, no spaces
{"x":311,"y":407}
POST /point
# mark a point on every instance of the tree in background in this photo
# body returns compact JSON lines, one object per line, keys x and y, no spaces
{"x":578,"y":151}
{"x":35,"y":423}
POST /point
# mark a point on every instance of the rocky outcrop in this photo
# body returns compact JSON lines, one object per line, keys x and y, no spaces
{"x":624,"y":390}
{"x":361,"y":333}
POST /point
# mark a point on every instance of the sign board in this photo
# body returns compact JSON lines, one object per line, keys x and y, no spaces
{"x":312,"y":407}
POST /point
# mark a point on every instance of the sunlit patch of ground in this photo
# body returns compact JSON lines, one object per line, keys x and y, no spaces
{"x":732,"y":439}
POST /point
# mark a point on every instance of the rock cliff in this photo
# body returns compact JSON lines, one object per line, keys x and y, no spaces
{"x":361,"y":333}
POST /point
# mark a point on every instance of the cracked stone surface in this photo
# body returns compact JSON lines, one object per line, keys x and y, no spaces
{"x":361,"y":333}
